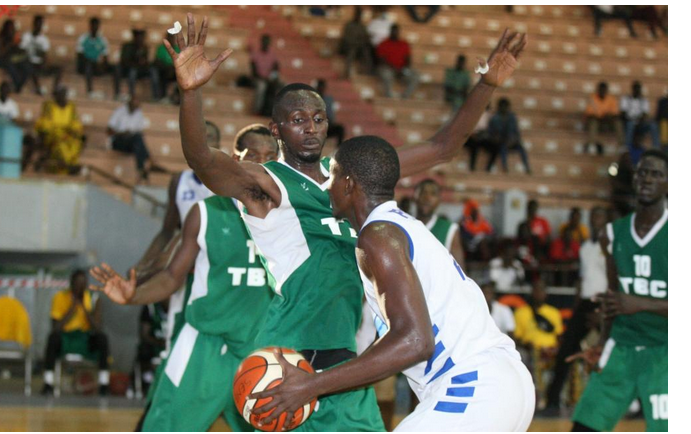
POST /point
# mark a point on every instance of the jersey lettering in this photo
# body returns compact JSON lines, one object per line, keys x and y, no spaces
{"x":255,"y":276}
{"x":659,"y":404}
{"x":237,"y":274}
{"x":252,"y":251}
{"x":188,"y":195}
{"x":625,"y":284}
{"x":334,"y":226}
{"x":657,"y":288}
{"x":643,"y":265}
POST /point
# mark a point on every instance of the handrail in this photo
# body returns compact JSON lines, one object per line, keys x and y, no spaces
{"x":117,"y":181}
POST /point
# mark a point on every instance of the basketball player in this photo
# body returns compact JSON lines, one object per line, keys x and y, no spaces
{"x":632,"y":355}
{"x":427,"y":199}
{"x":318,"y":305}
{"x":228,"y":300}
{"x":433,"y":321}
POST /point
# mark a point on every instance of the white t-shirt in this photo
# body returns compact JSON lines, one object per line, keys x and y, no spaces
{"x":9,"y":109}
{"x":593,"y":269}
{"x":33,"y":44}
{"x":634,"y":107}
{"x":505,"y":278}
{"x":503,"y":317}
{"x":379,"y":29}
{"x":122,"y":121}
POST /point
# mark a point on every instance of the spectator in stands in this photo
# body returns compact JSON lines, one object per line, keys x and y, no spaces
{"x":480,"y":139}
{"x":564,"y":252}
{"x":539,"y":229}
{"x":355,"y":44}
{"x":264,"y":70}
{"x":506,"y":271}
{"x":335,"y":130}
{"x":9,"y":110}
{"x":413,"y":11}
{"x":579,"y":231}
{"x":526,"y":251}
{"x":602,"y":12}
{"x":126,"y":132}
{"x":152,"y":340}
{"x":13,"y":59}
{"x":593,"y":281}
{"x":379,"y":28}
{"x":163,"y":67}
{"x":394,"y":58}
{"x":134,"y":64}
{"x":60,"y":134}
{"x":476,"y":232}
{"x":636,"y":111}
{"x":661,"y":117}
{"x":538,"y":324}
{"x":76,"y":328}
{"x":650,"y":16}
{"x":92,"y":54}
{"x":457,"y":83}
{"x":501,"y":314}
{"x":504,"y":133}
{"x":37,"y":45}
{"x":602,"y":113}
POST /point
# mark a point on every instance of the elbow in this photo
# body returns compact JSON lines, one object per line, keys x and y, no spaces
{"x":420,"y":349}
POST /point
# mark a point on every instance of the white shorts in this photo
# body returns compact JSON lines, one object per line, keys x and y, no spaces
{"x":492,"y":391}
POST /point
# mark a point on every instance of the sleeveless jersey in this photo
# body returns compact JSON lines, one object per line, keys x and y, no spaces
{"x":642,"y":271}
{"x":443,"y":229}
{"x":311,"y":257}
{"x":190,"y":191}
{"x":229,"y":294}
{"x":461,"y":322}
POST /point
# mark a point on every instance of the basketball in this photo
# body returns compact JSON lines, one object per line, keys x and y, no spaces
{"x":261,"y":371}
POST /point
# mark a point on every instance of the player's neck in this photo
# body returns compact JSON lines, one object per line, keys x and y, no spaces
{"x":648,"y":214}
{"x":363,"y":210}
{"x":310,"y":169}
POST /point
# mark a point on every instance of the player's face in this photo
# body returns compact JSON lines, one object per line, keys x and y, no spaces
{"x":428,"y":199}
{"x":650,"y":180}
{"x":340,"y":203}
{"x":302,"y":126}
{"x":259,"y":148}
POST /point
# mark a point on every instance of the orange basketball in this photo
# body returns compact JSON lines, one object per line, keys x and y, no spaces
{"x":261,"y":371}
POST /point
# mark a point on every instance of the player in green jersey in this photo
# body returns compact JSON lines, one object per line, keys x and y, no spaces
{"x":309,"y":253}
{"x":227,"y":303}
{"x":632,"y":356}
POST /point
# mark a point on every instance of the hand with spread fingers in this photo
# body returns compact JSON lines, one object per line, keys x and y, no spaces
{"x":192,"y":68}
{"x":504,"y":59}
{"x":116,"y":287}
{"x":591,"y":357}
{"x":295,"y":390}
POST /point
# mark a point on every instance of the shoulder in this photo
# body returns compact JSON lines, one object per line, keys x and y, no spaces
{"x":380,"y":235}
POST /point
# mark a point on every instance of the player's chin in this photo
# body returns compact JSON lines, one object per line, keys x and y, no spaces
{"x":311,"y":155}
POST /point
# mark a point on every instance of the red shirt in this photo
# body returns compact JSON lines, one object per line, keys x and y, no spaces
{"x":559,"y":252}
{"x":540,"y":228}
{"x":394,"y":53}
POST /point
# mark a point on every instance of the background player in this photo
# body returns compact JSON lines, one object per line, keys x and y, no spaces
{"x":433,"y":320}
{"x":632,"y":355}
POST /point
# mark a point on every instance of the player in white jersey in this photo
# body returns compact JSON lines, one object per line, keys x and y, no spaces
{"x":433,"y":321}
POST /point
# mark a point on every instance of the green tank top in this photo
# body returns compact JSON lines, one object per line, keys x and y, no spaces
{"x":642,"y":269}
{"x":229,"y":294}
{"x":311,"y":256}
{"x":443,"y":229}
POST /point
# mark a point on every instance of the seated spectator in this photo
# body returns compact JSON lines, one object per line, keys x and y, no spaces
{"x":501,"y":314}
{"x":379,"y":27}
{"x":564,"y":251}
{"x":602,"y":12}
{"x":457,"y":83}
{"x":505,"y":136}
{"x":602,"y":113}
{"x":539,"y":229}
{"x":13,"y":59}
{"x":126,"y":132}
{"x":134,"y":64}
{"x":394,"y":59}
{"x":476,"y":232}
{"x":480,"y":139}
{"x":661,"y":117}
{"x":538,"y":325}
{"x":355,"y":44}
{"x":36,"y":44}
{"x":579,"y":231}
{"x":413,"y":11}
{"x":526,"y":252}
{"x":427,"y":200}
{"x":76,"y":319}
{"x":60,"y":134}
{"x":636,"y":111}
{"x":264,"y":70}
{"x":506,"y":271}
{"x":9,"y":110}
{"x":92,"y":54}
{"x":164,"y":69}
{"x":152,"y":340}
{"x":335,"y":130}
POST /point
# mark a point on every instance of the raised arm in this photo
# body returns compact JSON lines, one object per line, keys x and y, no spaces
{"x":223,"y":175}
{"x":448,"y":142}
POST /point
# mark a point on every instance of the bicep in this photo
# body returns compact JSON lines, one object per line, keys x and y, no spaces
{"x":184,"y":258}
{"x":418,"y":158}
{"x":171,"y":221}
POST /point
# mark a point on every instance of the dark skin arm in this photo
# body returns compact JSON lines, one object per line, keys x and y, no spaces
{"x":383,"y":256}
{"x":448,"y":142}
{"x":163,"y":284}
{"x":59,"y":324}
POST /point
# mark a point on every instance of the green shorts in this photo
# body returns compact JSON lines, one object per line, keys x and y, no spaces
{"x":627,"y":373}
{"x":196,"y":386}
{"x":77,"y":342}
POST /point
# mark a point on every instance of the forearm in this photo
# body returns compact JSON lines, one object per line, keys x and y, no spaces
{"x":193,"y":130}
{"x":160,"y":287}
{"x":156,"y":248}
{"x":658,"y":307}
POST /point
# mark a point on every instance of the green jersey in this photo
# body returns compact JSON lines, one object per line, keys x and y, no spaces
{"x":642,"y":271}
{"x":311,"y":256}
{"x":443,"y":229}
{"x":229,"y":294}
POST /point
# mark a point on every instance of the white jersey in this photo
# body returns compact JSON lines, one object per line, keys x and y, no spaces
{"x":461,"y":321}
{"x":190,"y":191}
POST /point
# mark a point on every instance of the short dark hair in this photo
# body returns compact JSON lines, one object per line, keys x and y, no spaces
{"x":655,"y":153}
{"x":372,"y":162}
{"x":76,"y":273}
{"x":424,"y":182}
{"x":260,"y":129}
{"x":281,"y":95}
{"x":94,"y":20}
{"x":38,"y":17}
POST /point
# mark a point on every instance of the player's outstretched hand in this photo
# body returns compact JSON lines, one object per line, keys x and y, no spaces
{"x":192,"y":68}
{"x":591,"y":356}
{"x":116,"y":287}
{"x":617,"y":303}
{"x":294,"y":391}
{"x":504,"y":59}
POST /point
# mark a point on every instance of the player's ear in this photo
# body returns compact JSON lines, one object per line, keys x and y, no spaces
{"x":273,"y":127}
{"x":349,"y":185}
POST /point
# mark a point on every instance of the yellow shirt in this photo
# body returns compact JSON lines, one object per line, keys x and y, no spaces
{"x":528,"y":332}
{"x":580,"y":234}
{"x":14,"y":322}
{"x":62,"y":301}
